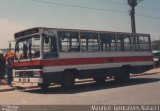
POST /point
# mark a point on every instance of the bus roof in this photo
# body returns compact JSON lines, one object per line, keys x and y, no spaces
{"x":35,"y":30}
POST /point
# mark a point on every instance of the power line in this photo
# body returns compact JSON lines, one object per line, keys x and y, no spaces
{"x":139,"y":14}
{"x":113,"y":2}
{"x":78,"y":6}
{"x":147,"y":8}
{"x":140,"y":7}
{"x":139,"y":1}
{"x":153,"y":17}
{"x":93,"y":8}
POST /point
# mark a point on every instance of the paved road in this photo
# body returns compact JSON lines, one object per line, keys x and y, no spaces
{"x":140,"y":90}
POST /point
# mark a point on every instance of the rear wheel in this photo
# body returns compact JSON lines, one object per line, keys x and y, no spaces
{"x":68,"y":80}
{"x":124,"y":75}
{"x":99,"y":79}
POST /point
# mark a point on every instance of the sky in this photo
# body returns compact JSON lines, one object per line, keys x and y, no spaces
{"x":106,"y":15}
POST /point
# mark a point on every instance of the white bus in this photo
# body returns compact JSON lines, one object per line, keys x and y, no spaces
{"x":52,"y":55}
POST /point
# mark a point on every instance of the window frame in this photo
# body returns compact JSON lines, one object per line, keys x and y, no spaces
{"x":144,"y":43}
{"x":112,"y":35}
{"x":86,"y":36}
{"x":123,"y":46}
{"x":69,"y":42}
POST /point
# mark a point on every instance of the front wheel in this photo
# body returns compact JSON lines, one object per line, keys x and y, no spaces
{"x":68,"y":80}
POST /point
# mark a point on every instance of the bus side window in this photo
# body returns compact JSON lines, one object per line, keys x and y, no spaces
{"x":135,"y":43}
{"x":84,"y":43}
{"x":68,"y":41}
{"x":89,"y":42}
{"x":144,"y":43}
{"x":108,"y":42}
{"x":123,"y":42}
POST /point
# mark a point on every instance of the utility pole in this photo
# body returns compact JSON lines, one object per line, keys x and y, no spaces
{"x":133,"y":4}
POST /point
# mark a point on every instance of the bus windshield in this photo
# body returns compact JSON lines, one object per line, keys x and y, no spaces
{"x":28,"y":48}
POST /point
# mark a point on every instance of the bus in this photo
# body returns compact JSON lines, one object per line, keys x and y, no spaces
{"x":54,"y":55}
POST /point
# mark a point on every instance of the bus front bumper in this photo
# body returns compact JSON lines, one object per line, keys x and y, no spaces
{"x":28,"y":80}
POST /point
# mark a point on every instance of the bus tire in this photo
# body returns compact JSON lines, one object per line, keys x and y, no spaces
{"x":68,"y":80}
{"x":101,"y":79}
{"x":44,"y":85}
{"x":124,"y":75}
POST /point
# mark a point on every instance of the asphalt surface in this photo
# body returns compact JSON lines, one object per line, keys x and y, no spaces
{"x":140,"y":90}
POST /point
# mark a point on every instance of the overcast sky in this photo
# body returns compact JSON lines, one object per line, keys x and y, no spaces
{"x":109,"y":15}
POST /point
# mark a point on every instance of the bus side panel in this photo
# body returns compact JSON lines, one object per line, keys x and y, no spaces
{"x":90,"y":73}
{"x":57,"y":77}
{"x":111,"y":71}
{"x":141,"y":69}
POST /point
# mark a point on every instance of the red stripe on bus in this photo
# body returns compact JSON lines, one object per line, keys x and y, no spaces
{"x":82,"y":61}
{"x":28,"y":63}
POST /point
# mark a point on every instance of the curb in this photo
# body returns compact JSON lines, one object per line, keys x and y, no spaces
{"x":3,"y":84}
{"x":21,"y":88}
{"x":6,"y":90}
{"x":144,"y":74}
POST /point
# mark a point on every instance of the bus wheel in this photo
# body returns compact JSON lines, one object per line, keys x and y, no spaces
{"x":99,"y":79}
{"x":68,"y":79}
{"x":124,"y":75}
{"x":44,"y":85}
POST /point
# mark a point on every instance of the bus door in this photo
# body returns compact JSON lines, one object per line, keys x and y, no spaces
{"x":50,"y":47}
